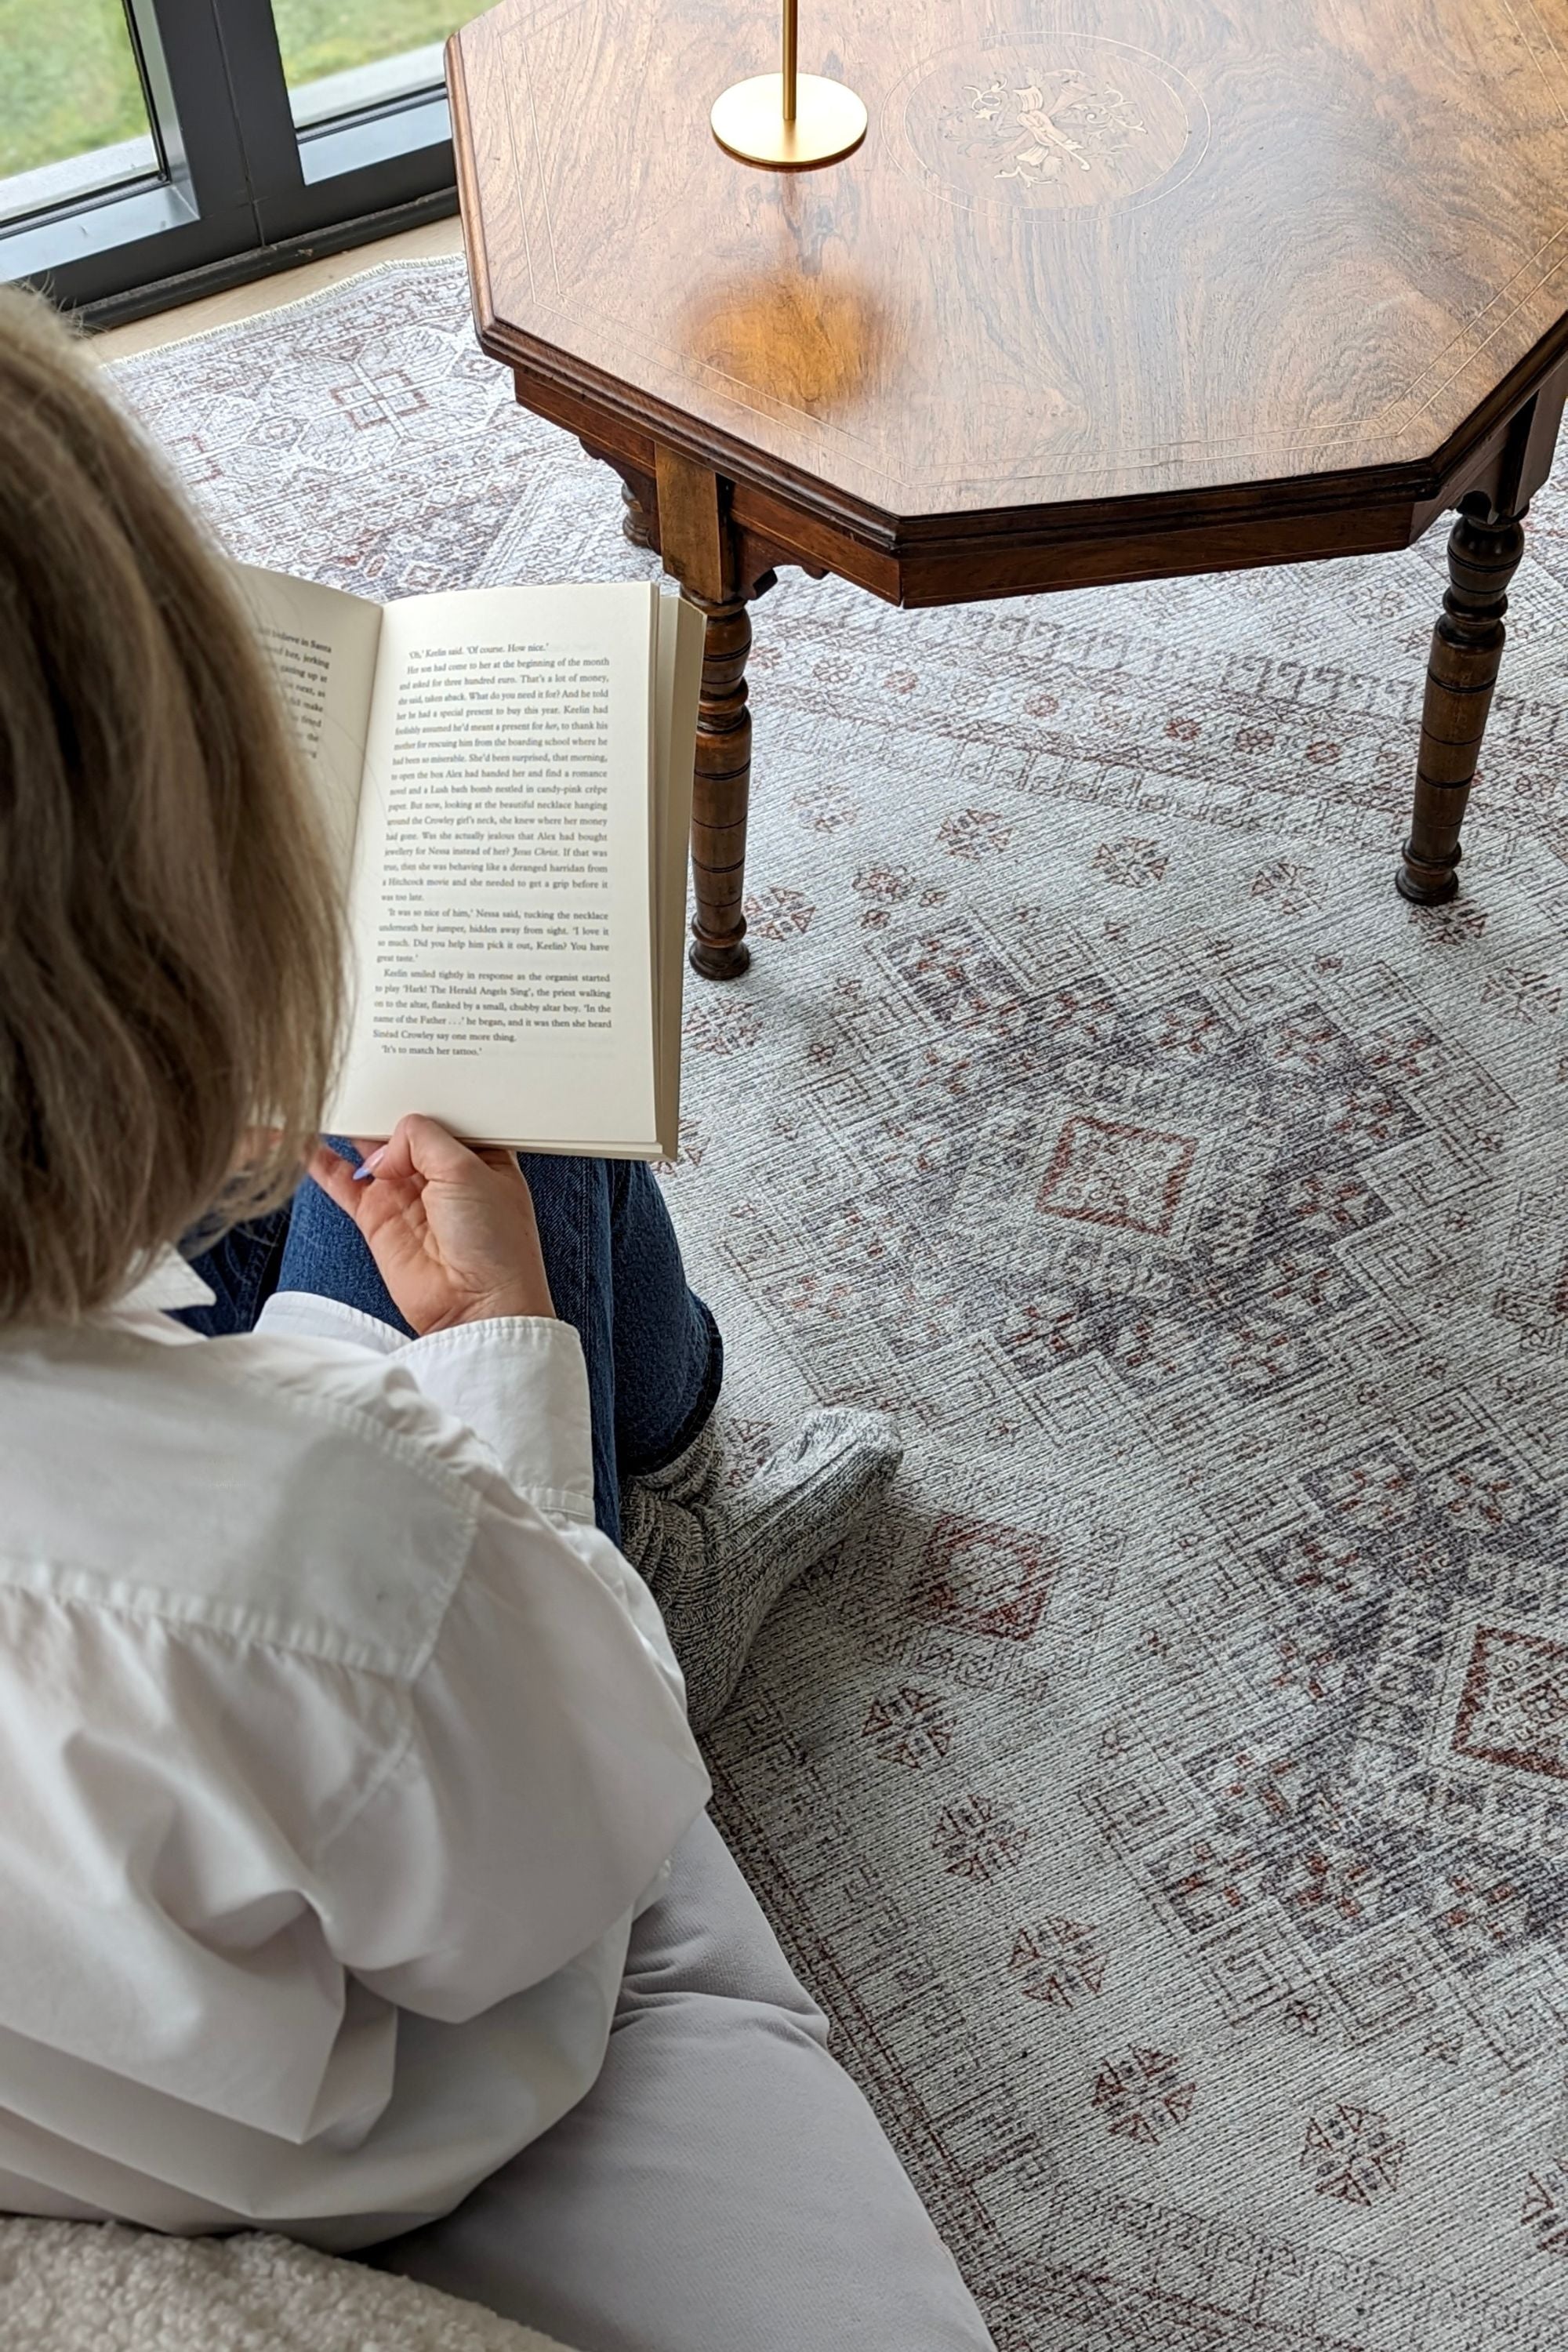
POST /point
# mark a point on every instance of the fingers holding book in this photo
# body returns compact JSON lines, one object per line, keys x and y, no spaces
{"x":452,"y":1229}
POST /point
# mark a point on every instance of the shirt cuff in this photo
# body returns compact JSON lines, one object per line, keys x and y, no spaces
{"x":301,"y":1315}
{"x":518,"y":1381}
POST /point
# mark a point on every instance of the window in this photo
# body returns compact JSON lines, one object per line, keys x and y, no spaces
{"x":149,"y":149}
{"x":340,"y":55}
{"x":73,"y":113}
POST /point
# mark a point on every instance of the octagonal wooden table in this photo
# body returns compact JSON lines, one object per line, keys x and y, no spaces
{"x":1115,"y":289}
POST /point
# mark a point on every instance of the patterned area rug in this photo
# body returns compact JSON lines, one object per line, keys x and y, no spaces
{"x":1171,"y":1811}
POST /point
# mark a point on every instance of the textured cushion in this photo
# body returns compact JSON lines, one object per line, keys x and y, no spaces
{"x":83,"y":2286}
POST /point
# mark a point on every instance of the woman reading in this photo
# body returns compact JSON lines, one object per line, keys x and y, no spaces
{"x":355,"y":1879}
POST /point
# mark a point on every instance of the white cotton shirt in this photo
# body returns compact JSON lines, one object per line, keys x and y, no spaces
{"x":338,"y":1751}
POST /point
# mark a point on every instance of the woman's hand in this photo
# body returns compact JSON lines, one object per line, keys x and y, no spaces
{"x":451,"y":1230}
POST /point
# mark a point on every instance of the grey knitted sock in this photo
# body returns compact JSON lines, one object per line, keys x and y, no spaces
{"x":717,"y":1555}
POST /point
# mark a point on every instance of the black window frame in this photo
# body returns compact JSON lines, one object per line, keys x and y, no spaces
{"x":241,"y":190}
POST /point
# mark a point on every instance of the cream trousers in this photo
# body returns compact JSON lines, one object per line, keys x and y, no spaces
{"x":723,"y":2187}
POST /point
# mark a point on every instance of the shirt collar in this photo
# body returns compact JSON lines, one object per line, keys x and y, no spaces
{"x":166,"y":1282}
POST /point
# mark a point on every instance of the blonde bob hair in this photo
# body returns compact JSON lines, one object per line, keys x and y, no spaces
{"x":170,"y":968}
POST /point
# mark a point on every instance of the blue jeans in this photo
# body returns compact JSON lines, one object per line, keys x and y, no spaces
{"x":653,"y":1351}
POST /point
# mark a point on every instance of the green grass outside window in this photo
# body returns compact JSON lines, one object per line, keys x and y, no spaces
{"x":69,"y":81}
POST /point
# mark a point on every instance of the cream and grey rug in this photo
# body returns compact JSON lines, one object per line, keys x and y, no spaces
{"x":1171,"y":1811}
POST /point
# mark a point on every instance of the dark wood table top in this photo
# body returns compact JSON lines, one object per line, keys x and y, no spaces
{"x":1088,"y":252}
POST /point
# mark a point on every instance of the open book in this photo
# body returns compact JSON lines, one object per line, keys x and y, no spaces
{"x":507,"y":779}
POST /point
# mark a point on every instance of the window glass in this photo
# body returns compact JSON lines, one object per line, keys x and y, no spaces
{"x":72,"y":116}
{"x":342,"y":54}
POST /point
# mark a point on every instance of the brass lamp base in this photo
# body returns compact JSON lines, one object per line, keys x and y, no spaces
{"x":748,"y":122}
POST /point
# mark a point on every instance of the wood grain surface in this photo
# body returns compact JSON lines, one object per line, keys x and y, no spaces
{"x":1088,"y":253}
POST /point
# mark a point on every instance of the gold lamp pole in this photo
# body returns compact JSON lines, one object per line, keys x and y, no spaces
{"x":789,"y":121}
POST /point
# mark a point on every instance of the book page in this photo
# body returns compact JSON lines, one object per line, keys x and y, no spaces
{"x":322,"y":646}
{"x":681,"y":636}
{"x":500,"y":898}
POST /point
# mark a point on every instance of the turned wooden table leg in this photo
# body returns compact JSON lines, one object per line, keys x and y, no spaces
{"x":637,"y":527}
{"x":682,"y":514}
{"x":1484,"y":550}
{"x":721,"y":794}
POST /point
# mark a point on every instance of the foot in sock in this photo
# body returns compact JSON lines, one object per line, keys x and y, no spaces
{"x":716,"y":1555}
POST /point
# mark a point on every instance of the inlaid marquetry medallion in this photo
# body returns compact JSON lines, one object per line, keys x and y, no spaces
{"x":1048,"y":123}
